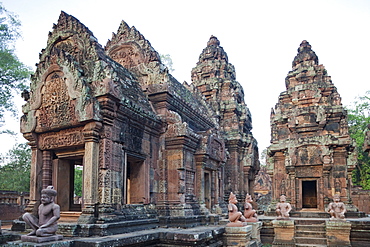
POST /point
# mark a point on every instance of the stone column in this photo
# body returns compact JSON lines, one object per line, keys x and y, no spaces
{"x":246,"y":180}
{"x":234,"y":177}
{"x":279,"y":176}
{"x":338,"y":233}
{"x":46,"y":169}
{"x":214,"y":188}
{"x":237,"y":236}
{"x":35,"y":174}
{"x":327,"y":189}
{"x":90,"y":172}
{"x":291,"y":183}
{"x":284,"y":233}
{"x":200,"y":160}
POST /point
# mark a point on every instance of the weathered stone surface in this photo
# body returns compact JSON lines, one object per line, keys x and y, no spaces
{"x":284,"y":232}
{"x":237,"y":236}
{"x":338,"y":233}
{"x":256,"y":231}
{"x":311,"y":155}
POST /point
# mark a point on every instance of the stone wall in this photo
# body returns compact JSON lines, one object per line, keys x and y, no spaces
{"x":12,"y":204}
{"x":361,"y":198}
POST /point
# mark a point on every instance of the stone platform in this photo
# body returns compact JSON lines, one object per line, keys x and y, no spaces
{"x":35,"y":239}
{"x":317,"y":231}
{"x":197,"y":236}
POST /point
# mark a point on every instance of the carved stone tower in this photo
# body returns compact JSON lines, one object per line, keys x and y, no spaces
{"x":214,"y":77}
{"x":311,"y":155}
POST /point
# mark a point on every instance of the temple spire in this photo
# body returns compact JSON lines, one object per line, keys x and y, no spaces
{"x":305,"y":54}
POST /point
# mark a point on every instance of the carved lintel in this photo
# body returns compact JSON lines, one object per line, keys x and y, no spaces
{"x":64,"y":138}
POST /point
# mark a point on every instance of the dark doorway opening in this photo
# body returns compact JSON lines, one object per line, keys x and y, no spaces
{"x":309,"y":194}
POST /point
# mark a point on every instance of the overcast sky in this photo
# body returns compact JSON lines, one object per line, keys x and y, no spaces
{"x":261,"y":39}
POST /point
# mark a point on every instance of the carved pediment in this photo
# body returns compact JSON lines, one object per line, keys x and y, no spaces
{"x":57,"y":108}
{"x":128,"y":55}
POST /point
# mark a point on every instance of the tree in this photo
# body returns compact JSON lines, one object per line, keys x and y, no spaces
{"x":167,"y":61}
{"x":358,"y":120}
{"x":13,"y":73}
{"x":15,"y":174}
{"x":78,"y":181}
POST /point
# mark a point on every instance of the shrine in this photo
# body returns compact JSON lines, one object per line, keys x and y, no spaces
{"x":152,"y":151}
{"x":311,"y":155}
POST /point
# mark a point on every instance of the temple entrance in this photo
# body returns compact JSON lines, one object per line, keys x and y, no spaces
{"x":68,"y":174}
{"x":134,"y":181}
{"x":309,"y":194}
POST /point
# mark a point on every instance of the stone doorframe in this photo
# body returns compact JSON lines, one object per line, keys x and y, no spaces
{"x":319,"y":193}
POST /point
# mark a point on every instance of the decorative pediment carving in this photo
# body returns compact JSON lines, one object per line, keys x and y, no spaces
{"x":57,"y":108}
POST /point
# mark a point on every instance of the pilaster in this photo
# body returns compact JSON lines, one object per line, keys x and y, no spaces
{"x":90,"y":172}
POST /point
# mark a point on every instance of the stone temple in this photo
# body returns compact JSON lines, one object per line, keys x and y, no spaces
{"x":153,"y":151}
{"x":311,"y":155}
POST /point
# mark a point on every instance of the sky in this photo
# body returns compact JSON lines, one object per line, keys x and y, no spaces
{"x":261,"y":39}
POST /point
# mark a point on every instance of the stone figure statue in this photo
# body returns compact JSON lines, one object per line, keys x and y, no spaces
{"x":249,"y":213}
{"x":283,"y":208}
{"x":49,"y":213}
{"x":236,"y":218}
{"x":337,"y":209}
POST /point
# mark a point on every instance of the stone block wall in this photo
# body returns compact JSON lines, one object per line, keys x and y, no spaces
{"x":361,"y":198}
{"x":12,"y":204}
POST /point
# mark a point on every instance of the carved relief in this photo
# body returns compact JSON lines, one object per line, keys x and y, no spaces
{"x":63,"y":138}
{"x":56,"y":109}
{"x":216,"y":150}
{"x":128,"y":56}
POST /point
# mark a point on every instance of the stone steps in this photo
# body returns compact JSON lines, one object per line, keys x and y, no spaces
{"x":310,"y":228}
{"x":310,"y":240}
{"x":311,"y":245}
{"x":310,"y":233}
{"x":317,"y":234}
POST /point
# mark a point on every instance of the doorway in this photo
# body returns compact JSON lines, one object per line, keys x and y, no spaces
{"x":68,"y":174}
{"x":135,"y":181}
{"x":309,"y":194}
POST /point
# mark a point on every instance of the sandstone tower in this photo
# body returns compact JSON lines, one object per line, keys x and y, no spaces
{"x":311,"y":155}
{"x":215,"y":78}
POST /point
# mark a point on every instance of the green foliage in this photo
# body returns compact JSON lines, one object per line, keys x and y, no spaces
{"x":13,"y":73}
{"x":167,"y":61}
{"x":358,"y":120}
{"x":78,"y":181}
{"x":263,"y":158}
{"x":15,"y":175}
